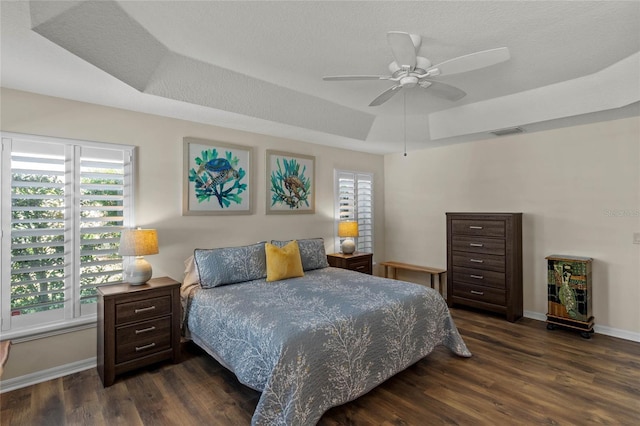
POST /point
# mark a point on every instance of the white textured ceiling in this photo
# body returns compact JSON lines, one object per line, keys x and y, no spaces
{"x":258,"y":66}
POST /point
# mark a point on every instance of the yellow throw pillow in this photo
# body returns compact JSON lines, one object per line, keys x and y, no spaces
{"x":283,"y":262}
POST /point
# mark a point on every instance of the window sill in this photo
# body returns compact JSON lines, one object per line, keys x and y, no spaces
{"x":35,"y":333}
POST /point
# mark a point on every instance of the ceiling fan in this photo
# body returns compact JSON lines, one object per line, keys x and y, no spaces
{"x":410,"y":70}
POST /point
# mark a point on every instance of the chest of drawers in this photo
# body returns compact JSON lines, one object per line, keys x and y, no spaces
{"x":137,"y":326}
{"x":484,"y":260}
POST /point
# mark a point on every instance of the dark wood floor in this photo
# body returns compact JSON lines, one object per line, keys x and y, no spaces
{"x":519,"y":374}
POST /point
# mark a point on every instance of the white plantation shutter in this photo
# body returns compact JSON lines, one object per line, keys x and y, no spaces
{"x":354,"y":201}
{"x":64,"y":204}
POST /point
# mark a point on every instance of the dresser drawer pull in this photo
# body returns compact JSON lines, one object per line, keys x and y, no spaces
{"x":476,"y":260}
{"x":145,"y":330}
{"x":479,"y":293}
{"x":475,"y":227}
{"x":359,"y":267}
{"x":476,"y":244}
{"x":142,"y":348}
{"x":478,"y":277}
{"x":141,"y":310}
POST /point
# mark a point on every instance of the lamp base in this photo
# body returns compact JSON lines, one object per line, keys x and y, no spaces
{"x":138,"y":272}
{"x":348,"y":246}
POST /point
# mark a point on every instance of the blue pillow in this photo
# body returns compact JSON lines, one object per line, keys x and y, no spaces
{"x":311,"y":252}
{"x":229,"y":265}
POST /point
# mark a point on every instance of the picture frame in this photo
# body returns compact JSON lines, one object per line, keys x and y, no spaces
{"x":290,"y":183}
{"x":217,"y":178}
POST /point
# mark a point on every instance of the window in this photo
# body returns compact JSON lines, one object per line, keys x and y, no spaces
{"x":354,"y":201}
{"x":64,"y":203}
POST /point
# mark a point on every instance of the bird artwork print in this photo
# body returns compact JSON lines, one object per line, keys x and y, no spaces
{"x":218,"y":178}
{"x":289,"y":185}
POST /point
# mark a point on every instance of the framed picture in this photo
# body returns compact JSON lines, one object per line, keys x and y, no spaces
{"x":217,"y":178}
{"x":290,"y":183}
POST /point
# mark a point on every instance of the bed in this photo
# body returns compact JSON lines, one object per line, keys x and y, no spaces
{"x":312,"y":341}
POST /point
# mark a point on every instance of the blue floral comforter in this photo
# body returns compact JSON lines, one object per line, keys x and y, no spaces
{"x":318,"y":341}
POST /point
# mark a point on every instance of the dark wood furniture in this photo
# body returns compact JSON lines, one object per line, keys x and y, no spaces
{"x":138,"y":325}
{"x":441,"y":273}
{"x":361,"y":262}
{"x":484,"y":260}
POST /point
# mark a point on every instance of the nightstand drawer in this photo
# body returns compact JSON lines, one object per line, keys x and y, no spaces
{"x":363,"y":266}
{"x":479,"y":293}
{"x":479,"y":277}
{"x":143,"y":309}
{"x":143,"y":330}
{"x":359,"y":262}
{"x":143,"y":347}
{"x":478,"y":245}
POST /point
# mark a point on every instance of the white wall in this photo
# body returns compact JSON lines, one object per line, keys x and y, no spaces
{"x":158,"y":193}
{"x":579,"y":190}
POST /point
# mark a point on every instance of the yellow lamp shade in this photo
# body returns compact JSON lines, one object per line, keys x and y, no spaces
{"x":138,"y":243}
{"x":347,"y":229}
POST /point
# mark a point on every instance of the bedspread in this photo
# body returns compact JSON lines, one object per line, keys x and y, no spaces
{"x":318,"y":341}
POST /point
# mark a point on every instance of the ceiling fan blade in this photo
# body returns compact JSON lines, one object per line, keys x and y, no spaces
{"x":443,"y":91}
{"x":473,"y":61}
{"x":386,"y":95}
{"x":355,"y":77}
{"x":404,"y":47}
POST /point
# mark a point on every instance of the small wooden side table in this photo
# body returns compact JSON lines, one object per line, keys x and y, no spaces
{"x":138,"y":325}
{"x":409,"y":267}
{"x":361,"y":262}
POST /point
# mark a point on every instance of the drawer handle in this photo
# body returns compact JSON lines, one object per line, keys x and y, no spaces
{"x":476,"y":260}
{"x":142,"y":348}
{"x":359,"y":267}
{"x":145,"y":330}
{"x":478,"y":277}
{"x":141,"y":310}
{"x":476,"y":245}
{"x":479,"y":293}
{"x":475,"y":227}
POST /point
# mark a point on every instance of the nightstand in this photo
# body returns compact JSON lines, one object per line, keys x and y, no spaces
{"x":138,"y":325}
{"x":361,"y":262}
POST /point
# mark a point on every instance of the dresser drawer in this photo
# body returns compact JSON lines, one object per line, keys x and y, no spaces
{"x":479,"y":260}
{"x":482,"y":294}
{"x":143,"y":309}
{"x":478,"y":245}
{"x":487,"y":228}
{"x":479,"y":277}
{"x":143,"y":330}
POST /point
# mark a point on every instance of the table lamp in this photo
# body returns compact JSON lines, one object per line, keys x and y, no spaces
{"x":138,"y":243}
{"x":348,"y":230}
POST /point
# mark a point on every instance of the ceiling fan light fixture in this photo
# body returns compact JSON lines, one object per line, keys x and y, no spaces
{"x":422,"y":63}
{"x":394,"y":68}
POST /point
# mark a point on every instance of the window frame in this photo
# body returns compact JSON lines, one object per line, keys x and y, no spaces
{"x":356,"y":176}
{"x":74,"y":314}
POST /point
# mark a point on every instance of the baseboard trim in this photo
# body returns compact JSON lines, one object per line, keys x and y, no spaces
{"x":601,"y":329}
{"x":48,"y":374}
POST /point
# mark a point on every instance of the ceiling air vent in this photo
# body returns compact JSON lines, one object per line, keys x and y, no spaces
{"x":508,"y":131}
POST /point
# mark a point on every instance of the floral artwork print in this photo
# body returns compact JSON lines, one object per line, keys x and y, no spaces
{"x":290,"y":183}
{"x":216,"y":178}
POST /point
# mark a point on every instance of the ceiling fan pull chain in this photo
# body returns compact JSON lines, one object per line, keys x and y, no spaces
{"x":404,"y":98}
